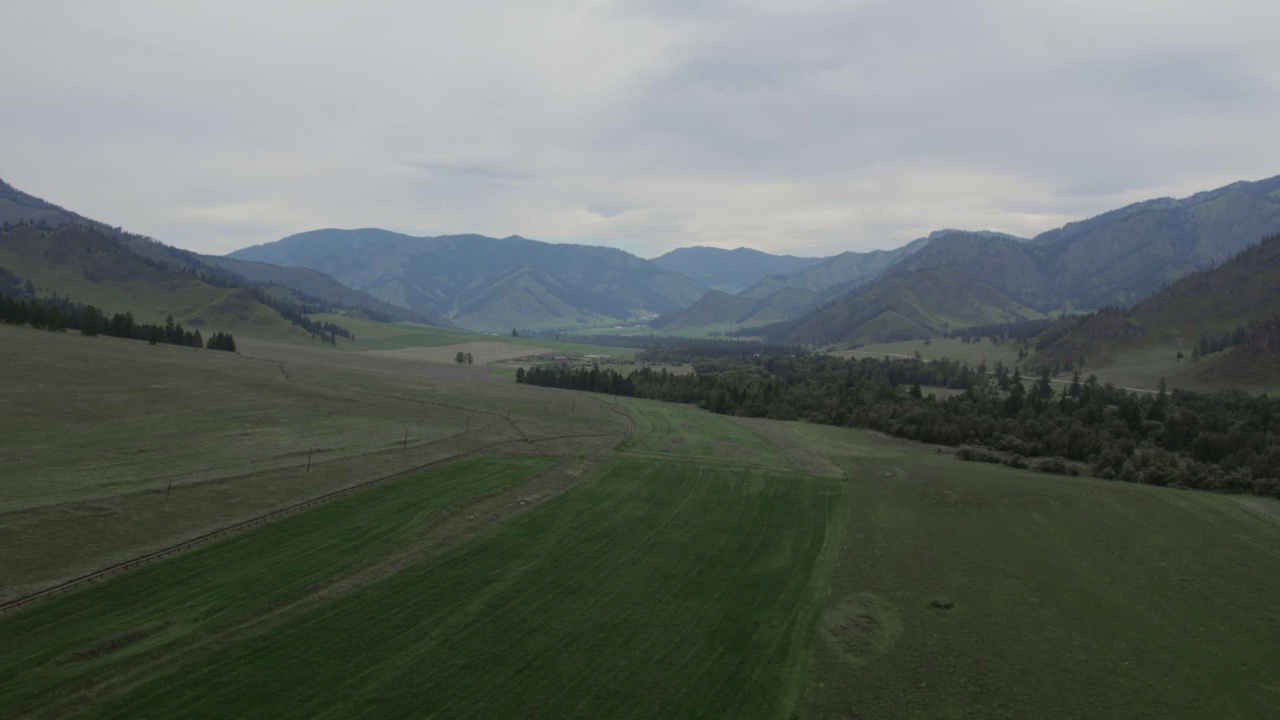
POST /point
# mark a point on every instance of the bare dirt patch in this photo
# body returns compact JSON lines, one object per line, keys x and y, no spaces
{"x":860,"y":627}
{"x":949,"y":498}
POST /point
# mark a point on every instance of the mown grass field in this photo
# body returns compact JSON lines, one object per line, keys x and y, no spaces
{"x":675,"y":564}
{"x":1069,"y":598}
{"x":649,"y":590}
{"x":147,"y":622}
{"x":680,"y":432}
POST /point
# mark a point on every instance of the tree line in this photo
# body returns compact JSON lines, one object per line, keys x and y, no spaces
{"x":174,"y":260}
{"x":60,"y":313}
{"x":297,"y":314}
{"x":1228,"y":442}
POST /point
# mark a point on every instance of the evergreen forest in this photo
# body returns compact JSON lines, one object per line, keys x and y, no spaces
{"x":1227,"y":442}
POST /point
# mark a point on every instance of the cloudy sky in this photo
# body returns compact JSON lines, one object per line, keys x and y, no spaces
{"x":806,"y":127}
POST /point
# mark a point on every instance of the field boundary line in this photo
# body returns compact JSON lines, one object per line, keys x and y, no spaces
{"x":216,"y":534}
{"x":191,"y":543}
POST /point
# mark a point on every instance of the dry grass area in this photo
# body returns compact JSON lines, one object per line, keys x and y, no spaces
{"x":114,"y":448}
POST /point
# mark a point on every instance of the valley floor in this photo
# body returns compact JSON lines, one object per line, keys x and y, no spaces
{"x":581,"y":556}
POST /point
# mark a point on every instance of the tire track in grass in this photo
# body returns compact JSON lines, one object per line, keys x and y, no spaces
{"x":645,"y":591}
{"x":107,"y":679}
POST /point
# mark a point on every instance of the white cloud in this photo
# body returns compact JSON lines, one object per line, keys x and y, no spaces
{"x":808,"y":128}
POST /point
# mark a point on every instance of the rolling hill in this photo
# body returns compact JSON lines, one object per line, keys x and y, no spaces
{"x":86,"y":265}
{"x":307,"y":285}
{"x":488,"y":283}
{"x":903,"y":305}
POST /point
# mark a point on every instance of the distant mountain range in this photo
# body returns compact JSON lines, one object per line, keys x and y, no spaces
{"x":485,"y":283}
{"x":1115,"y":259}
{"x":777,"y":298}
{"x":948,"y":280}
{"x":731,"y":271}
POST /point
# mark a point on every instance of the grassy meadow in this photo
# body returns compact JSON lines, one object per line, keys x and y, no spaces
{"x":586,"y":559}
{"x":677,"y":432}
{"x":973,"y":353}
{"x":648,"y":590}
{"x":371,"y":335}
{"x":1062,"y":598}
{"x":113,"y":448}
{"x":1139,"y":367}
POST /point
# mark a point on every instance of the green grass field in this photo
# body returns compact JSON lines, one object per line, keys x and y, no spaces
{"x":679,"y":432}
{"x":147,"y":621}
{"x":113,"y":448}
{"x":1071,"y":598}
{"x":941,"y":349}
{"x":371,"y":335}
{"x":670,"y":564}
{"x":1143,"y":366}
{"x":651,"y":589}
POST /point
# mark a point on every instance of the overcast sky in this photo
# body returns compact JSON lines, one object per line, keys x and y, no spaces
{"x":800,"y":126}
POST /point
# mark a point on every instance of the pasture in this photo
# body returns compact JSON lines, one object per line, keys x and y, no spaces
{"x":648,"y":590}
{"x":589,"y":559}
{"x":1064,"y":597}
{"x":147,"y":621}
{"x":113,"y":448}
{"x":372,"y":335}
{"x":677,"y":432}
{"x":973,"y":353}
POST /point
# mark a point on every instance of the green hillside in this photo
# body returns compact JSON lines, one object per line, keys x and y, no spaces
{"x":711,"y":310}
{"x":83,"y":264}
{"x":304,"y":284}
{"x":778,"y":298}
{"x":903,"y":306}
{"x":89,"y":262}
{"x":1000,"y":263}
{"x":1218,"y":320}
